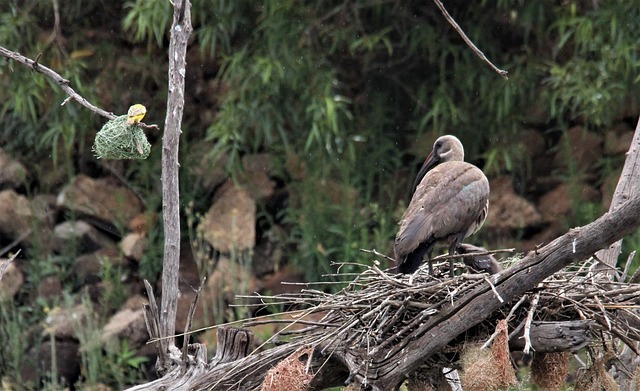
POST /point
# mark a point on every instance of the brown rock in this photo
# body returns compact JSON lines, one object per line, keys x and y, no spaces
{"x":558,"y":203}
{"x":618,"y":140}
{"x":80,"y":234}
{"x":11,"y":280}
{"x":255,"y":177}
{"x":62,"y":322}
{"x":141,"y":222}
{"x":12,"y":172}
{"x":50,"y":288}
{"x":126,"y":324}
{"x":88,"y":268}
{"x":16,"y":214}
{"x":38,"y":360}
{"x":580,"y":147}
{"x":133,"y":245}
{"x":208,"y":171}
{"x":509,"y":211}
{"x":534,"y":143}
{"x":229,"y":225}
{"x":608,"y":187}
{"x":100,"y":200}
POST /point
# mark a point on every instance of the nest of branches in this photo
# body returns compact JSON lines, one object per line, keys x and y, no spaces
{"x":378,"y":311}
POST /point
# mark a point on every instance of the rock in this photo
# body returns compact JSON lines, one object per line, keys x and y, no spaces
{"x":62,"y":322}
{"x":38,"y":361}
{"x":559,"y":202}
{"x":11,"y":279}
{"x":12,"y":172}
{"x":273,"y":284}
{"x":579,"y":146}
{"x":141,"y":222}
{"x":16,"y":214}
{"x":50,"y":289}
{"x":100,"y":200}
{"x":618,"y":140}
{"x":509,"y":212}
{"x":229,"y":225}
{"x":126,"y":324}
{"x":608,"y":187}
{"x":255,"y":177}
{"x":207,"y":171}
{"x":80,"y":234}
{"x":133,"y":245}
{"x":88,"y":268}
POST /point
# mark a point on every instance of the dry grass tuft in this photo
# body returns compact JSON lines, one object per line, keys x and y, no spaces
{"x":596,"y":378}
{"x":484,"y":370}
{"x":549,"y":370}
{"x":290,"y":374}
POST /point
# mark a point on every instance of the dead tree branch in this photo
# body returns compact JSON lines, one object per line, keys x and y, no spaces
{"x":59,"y":80}
{"x":180,"y":31}
{"x":469,"y":43}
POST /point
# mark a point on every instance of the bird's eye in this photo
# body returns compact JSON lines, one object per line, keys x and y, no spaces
{"x":438,"y":145}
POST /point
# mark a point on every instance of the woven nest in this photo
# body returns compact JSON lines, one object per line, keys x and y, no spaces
{"x":377,"y":311}
{"x":119,"y":140}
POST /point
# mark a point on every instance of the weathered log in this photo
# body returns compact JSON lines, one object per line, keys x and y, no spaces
{"x":548,"y":337}
{"x":233,"y":344}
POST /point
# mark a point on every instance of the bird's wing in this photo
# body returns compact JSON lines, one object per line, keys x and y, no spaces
{"x":449,"y":200}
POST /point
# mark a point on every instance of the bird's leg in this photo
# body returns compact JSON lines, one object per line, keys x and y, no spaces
{"x":452,"y":251}
{"x":429,"y":251}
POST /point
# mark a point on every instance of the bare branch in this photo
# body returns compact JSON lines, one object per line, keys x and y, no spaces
{"x":59,"y":80}
{"x":466,"y":39}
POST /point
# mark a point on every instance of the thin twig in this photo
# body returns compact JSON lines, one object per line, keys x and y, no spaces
{"x":192,"y":311}
{"x":473,"y":47}
{"x":5,"y":264}
{"x":527,"y":323}
{"x":59,"y":80}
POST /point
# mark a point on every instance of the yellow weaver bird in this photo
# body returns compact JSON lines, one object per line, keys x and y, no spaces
{"x":136,"y":114}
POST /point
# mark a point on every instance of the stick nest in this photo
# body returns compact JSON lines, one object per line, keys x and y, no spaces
{"x":377,"y":311}
{"x":119,"y":140}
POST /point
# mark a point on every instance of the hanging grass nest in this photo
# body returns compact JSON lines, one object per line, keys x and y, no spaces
{"x":118,"y":139}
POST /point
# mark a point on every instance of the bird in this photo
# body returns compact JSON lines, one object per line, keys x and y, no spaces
{"x":136,"y":113}
{"x":450,"y":203}
{"x":479,"y":263}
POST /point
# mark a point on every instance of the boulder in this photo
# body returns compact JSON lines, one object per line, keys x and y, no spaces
{"x":16,"y":214}
{"x":12,"y":173}
{"x":509,"y":212}
{"x":618,"y":140}
{"x":62,"y":322}
{"x":559,"y":202}
{"x":133,"y":245}
{"x":11,"y":279}
{"x":101,"y":200}
{"x":80,"y":234}
{"x":127,"y":324}
{"x":255,"y":176}
{"x":88,"y":268}
{"x":581,"y":147}
{"x":230,"y":223}
{"x":38,"y":361}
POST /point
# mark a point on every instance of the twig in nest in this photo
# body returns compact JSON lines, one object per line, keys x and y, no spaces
{"x":625,"y":273}
{"x":527,"y":323}
{"x":493,"y":288}
{"x":476,"y":254}
{"x":466,"y":39}
{"x":379,"y":254}
{"x":508,"y":318}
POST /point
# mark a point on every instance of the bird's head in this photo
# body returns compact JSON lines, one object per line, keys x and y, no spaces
{"x":446,"y":149}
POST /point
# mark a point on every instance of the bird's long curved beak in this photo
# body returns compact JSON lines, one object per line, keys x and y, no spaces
{"x":428,"y":164}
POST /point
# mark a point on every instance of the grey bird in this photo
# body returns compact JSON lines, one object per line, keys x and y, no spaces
{"x":479,"y":263}
{"x":449,"y":203}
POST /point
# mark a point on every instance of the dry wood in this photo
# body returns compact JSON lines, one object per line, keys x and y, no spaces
{"x":180,"y":31}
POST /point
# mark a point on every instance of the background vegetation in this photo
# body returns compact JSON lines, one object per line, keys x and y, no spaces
{"x":350,"y":92}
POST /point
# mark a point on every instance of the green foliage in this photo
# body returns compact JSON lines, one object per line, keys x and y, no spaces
{"x":14,"y":348}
